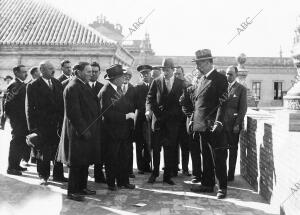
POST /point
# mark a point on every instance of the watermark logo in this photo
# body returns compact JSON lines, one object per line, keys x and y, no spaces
{"x":244,"y":25}
{"x":136,"y":25}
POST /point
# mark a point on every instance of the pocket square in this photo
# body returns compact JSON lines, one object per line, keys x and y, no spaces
{"x":234,"y":96}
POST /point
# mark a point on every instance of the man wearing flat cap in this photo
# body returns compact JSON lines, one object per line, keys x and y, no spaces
{"x":116,"y":110}
{"x":143,"y":156}
{"x":162,"y":104}
{"x":209,"y":108}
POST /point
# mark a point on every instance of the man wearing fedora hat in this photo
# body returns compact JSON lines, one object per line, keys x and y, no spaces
{"x":143,"y":154}
{"x":117,"y":111}
{"x":209,"y":108}
{"x":162,"y":104}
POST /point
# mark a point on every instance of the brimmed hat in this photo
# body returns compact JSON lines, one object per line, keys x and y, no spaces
{"x":203,"y":54}
{"x":114,"y":71}
{"x":144,"y":68}
{"x":167,"y":63}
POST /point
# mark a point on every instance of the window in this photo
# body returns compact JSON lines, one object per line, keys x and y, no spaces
{"x":256,"y":89}
{"x":278,"y":91}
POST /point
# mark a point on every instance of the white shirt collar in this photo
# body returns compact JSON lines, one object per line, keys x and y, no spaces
{"x":20,"y":80}
{"x":92,"y":83}
{"x":68,"y":76}
{"x":114,"y":86}
{"x":80,"y":80}
{"x":231,"y":84}
{"x":47,"y":80}
{"x":207,"y":74}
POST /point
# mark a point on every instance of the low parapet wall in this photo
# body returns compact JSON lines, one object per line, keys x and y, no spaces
{"x":270,"y":159}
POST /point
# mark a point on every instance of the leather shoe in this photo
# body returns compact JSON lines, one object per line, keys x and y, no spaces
{"x":152,"y":179}
{"x":196,"y":180}
{"x":127,"y":186}
{"x":14,"y":172}
{"x":168,"y":181}
{"x":141,"y":172}
{"x":44,"y":182}
{"x":230,"y":178}
{"x":87,"y":192}
{"x":112,"y":188}
{"x":202,"y":189}
{"x":75,"y":197}
{"x":100,"y":180}
{"x":22,"y":169}
{"x":221,"y":194}
{"x":186,"y":173}
{"x":131,"y":175}
{"x":63,"y":179}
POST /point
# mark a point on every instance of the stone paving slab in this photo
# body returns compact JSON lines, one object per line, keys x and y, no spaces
{"x":22,"y":195}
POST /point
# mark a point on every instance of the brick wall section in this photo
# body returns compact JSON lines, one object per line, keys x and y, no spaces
{"x":270,"y":159}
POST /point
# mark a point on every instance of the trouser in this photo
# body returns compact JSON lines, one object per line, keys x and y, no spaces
{"x":43,"y":169}
{"x":130,"y":157}
{"x":194,"y":140}
{"x":143,"y":154}
{"x":233,"y":140}
{"x":169,"y":154}
{"x":78,"y":176}
{"x":183,"y":142}
{"x":17,"y":149}
{"x":98,"y":168}
{"x":116,"y":164}
{"x":214,"y":159}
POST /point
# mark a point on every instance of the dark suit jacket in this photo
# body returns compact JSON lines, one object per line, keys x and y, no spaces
{"x":97,"y":88}
{"x":187,"y":101}
{"x":114,"y":108}
{"x":44,"y":113}
{"x":80,"y":112}
{"x":141,"y":90}
{"x":165,"y":106}
{"x":14,"y":107}
{"x":236,"y":106}
{"x":209,"y":101}
{"x":61,"y":78}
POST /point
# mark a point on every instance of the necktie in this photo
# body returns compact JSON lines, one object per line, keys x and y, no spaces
{"x":168,"y":84}
{"x":124,"y":88}
{"x":119,"y":90}
{"x":50,"y":84}
{"x":93,"y":86}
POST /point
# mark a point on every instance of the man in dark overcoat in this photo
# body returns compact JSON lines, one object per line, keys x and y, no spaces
{"x":210,"y":97}
{"x":96,"y":87}
{"x":236,"y":108}
{"x":14,"y":107}
{"x":44,"y":113}
{"x":80,"y":139}
{"x":116,"y":110}
{"x":162,"y":104}
{"x":143,"y":153}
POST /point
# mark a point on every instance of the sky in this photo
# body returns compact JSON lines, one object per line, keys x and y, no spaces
{"x":181,"y":27}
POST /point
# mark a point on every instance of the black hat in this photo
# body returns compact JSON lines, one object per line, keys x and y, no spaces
{"x":114,"y":71}
{"x":144,"y":68}
{"x":167,"y":63}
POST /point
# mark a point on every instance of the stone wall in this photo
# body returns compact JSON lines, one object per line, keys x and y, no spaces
{"x":270,"y":159}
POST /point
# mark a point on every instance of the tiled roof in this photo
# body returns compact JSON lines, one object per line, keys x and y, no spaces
{"x":28,"y":22}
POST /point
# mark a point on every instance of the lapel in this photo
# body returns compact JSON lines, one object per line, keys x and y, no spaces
{"x":233,"y":90}
{"x":205,"y":83}
{"x":47,"y":90}
{"x":88,"y":91}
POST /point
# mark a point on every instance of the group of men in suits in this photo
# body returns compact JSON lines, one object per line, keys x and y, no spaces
{"x":80,"y":122}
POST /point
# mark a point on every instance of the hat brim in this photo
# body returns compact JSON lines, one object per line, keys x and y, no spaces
{"x":114,"y":77}
{"x":201,"y":59}
{"x":145,"y":70}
